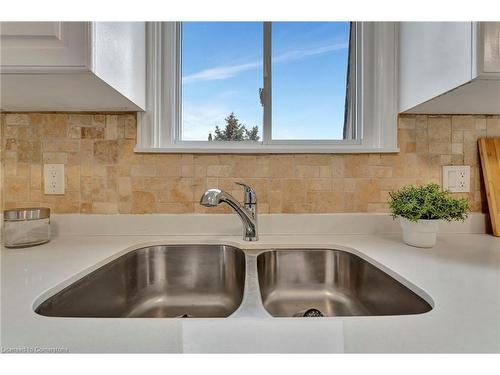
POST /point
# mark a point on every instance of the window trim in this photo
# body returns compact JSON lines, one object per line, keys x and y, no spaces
{"x":159,"y":126}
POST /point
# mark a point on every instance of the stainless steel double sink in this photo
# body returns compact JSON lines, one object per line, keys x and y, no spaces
{"x":215,"y":281}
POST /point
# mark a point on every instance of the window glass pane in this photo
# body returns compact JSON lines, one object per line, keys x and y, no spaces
{"x":309,"y":70}
{"x":221,"y":76}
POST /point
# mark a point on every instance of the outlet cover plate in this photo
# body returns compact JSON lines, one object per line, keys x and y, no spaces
{"x":53,"y":176}
{"x":456,"y":178}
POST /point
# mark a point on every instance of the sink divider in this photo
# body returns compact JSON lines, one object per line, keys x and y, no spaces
{"x":251,"y":305}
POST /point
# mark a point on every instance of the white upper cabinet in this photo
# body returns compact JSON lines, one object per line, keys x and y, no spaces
{"x":72,"y":66}
{"x":449,"y":67}
{"x":490,"y":48}
{"x":29,"y":47}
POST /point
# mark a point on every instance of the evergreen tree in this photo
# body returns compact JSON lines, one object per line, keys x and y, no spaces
{"x":253,"y":134}
{"x":234,"y":131}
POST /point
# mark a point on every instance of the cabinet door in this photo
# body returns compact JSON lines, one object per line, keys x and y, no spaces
{"x":434,"y":58}
{"x":491,"y":54}
{"x":44,"y":46}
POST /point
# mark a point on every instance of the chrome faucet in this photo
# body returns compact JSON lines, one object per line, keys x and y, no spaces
{"x":247,"y":212}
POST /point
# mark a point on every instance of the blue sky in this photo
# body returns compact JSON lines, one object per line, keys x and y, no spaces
{"x":222,"y":73}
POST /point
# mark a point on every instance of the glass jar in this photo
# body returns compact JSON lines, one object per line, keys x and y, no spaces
{"x":24,"y":227}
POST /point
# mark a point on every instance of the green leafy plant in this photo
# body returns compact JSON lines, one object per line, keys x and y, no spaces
{"x":427,"y":202}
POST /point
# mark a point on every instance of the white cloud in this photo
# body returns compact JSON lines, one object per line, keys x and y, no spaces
{"x":221,"y":72}
{"x":198,"y":121}
{"x":298,"y":54}
{"x":229,"y":71}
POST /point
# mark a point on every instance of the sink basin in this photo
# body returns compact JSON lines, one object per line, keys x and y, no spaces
{"x":336,"y":283}
{"x":157,"y":282}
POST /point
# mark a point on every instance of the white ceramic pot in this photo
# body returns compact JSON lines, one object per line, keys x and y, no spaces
{"x":421,"y":233}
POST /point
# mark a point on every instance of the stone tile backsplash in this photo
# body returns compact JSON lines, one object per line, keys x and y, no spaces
{"x":104,"y":175}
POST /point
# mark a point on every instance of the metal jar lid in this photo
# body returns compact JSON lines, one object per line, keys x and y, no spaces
{"x":29,"y":213}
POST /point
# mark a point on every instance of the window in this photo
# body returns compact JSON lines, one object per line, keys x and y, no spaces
{"x":309,"y":64}
{"x":222,"y":72}
{"x":222,"y":81}
{"x":270,"y":87}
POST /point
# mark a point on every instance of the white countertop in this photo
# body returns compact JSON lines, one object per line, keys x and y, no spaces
{"x":461,"y":275}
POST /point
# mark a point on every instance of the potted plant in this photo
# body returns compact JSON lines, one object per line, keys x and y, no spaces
{"x":421,"y":208}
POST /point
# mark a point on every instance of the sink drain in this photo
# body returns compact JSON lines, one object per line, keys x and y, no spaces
{"x":311,"y":313}
{"x":184,"y":316}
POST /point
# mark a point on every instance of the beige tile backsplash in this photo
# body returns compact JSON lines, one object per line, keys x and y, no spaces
{"x":104,"y":175}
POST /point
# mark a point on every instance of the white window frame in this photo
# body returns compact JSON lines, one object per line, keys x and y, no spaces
{"x":375,"y":117}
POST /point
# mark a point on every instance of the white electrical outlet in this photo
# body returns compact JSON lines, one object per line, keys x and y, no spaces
{"x":53,"y":175}
{"x":456,"y":178}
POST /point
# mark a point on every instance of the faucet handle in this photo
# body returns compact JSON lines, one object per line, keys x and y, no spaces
{"x":250,"y":195}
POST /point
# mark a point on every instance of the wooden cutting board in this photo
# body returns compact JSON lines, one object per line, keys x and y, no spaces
{"x":489,"y":149}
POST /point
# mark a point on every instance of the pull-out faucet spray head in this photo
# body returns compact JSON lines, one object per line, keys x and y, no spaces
{"x":247,"y":212}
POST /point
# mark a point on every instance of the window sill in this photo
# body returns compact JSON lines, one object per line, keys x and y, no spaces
{"x":271,"y":149}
